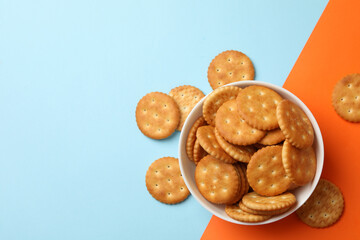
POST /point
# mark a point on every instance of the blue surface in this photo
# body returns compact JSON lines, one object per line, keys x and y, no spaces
{"x":72,"y":161}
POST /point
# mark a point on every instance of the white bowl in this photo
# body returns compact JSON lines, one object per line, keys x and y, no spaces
{"x":188,"y":167}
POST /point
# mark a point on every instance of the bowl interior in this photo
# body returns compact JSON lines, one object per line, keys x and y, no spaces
{"x":188,"y":167}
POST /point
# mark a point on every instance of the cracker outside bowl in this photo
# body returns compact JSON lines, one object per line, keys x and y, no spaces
{"x":187,"y":167}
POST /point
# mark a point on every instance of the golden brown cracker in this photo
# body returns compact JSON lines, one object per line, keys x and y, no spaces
{"x":346,"y":97}
{"x":247,"y":186}
{"x":230,"y":66}
{"x":239,"y":153}
{"x":157,"y":115}
{"x":207,"y":140}
{"x":272,"y":137}
{"x":198,"y":152}
{"x":265,"y":172}
{"x":215,"y":99}
{"x":164,"y":181}
{"x":216,"y":180}
{"x":257,"y":212}
{"x":257,"y":106}
{"x":235,"y":212}
{"x":239,"y":193}
{"x":186,"y":98}
{"x":234,"y":129}
{"x":294,"y":124}
{"x":299,"y":164}
{"x":262,"y":203}
{"x":192,"y":137}
{"x":324,"y":207}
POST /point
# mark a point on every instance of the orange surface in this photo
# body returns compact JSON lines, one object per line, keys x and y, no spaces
{"x":332,"y":51}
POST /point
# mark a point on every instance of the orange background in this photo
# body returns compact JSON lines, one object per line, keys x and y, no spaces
{"x":332,"y":51}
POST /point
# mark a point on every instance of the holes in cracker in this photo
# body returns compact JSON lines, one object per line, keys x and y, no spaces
{"x":153,"y":100}
{"x":349,"y":85}
{"x":229,"y":59}
{"x":144,"y":110}
{"x":159,"y":129}
{"x":219,"y":83}
{"x":165,"y":105}
{"x":356,"y":97}
{"x":349,"y":111}
{"x":169,"y":194}
{"x":218,"y":70}
{"x":169,"y":180}
{"x":181,"y":189}
{"x":156,"y":185}
{"x":242,"y":63}
{"x":230,"y":73}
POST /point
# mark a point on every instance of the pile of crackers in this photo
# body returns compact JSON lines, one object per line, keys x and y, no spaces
{"x":251,"y":147}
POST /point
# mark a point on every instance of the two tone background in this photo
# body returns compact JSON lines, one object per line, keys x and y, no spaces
{"x":72,"y":161}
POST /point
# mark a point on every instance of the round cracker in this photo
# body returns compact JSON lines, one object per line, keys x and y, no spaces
{"x":230,"y":66}
{"x":216,"y":180}
{"x":324,"y":207}
{"x":299,"y":164}
{"x":265,"y":172}
{"x":272,"y":137}
{"x":234,"y":129}
{"x":207,"y":140}
{"x":240,"y":153}
{"x":235,"y":212}
{"x":164,"y":181}
{"x":244,"y":183}
{"x":216,"y":99}
{"x":199,"y":152}
{"x":239,"y":194}
{"x":294,"y":124}
{"x":186,"y":98}
{"x":192,"y":137}
{"x":257,"y":106}
{"x":252,"y":211}
{"x":346,"y":97}
{"x":262,"y":203}
{"x":247,"y":186}
{"x":157,"y":115}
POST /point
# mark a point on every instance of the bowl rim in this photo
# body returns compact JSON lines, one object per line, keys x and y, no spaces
{"x":318,"y":139}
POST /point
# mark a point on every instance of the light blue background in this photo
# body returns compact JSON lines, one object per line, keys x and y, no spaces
{"x":72,"y":160}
